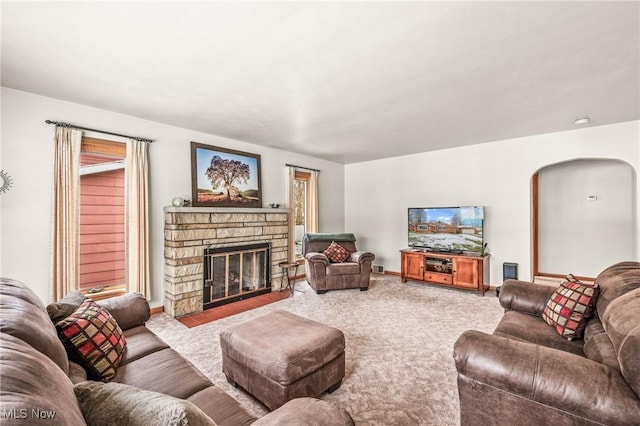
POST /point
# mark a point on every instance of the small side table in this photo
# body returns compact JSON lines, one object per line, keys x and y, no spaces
{"x":290,"y":269}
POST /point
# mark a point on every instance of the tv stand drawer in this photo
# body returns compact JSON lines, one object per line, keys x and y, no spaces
{"x":438,"y":278}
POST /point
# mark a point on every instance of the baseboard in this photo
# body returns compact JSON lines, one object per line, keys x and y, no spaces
{"x":157,"y":310}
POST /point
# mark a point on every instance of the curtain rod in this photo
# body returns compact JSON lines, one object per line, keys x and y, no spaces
{"x":300,"y":167}
{"x":62,"y":124}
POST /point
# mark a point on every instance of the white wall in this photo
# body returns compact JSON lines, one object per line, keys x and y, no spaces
{"x":496,"y":175}
{"x":571,"y":223}
{"x":26,"y":152}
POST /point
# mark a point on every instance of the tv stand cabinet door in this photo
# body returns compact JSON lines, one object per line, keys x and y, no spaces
{"x":466,"y":272}
{"x":412,"y":266}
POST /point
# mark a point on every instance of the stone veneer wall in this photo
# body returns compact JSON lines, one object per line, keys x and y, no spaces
{"x":189,"y":230}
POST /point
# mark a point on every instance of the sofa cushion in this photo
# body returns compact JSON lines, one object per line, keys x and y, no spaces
{"x":23,"y":315}
{"x":569,"y":308}
{"x":77,"y":373}
{"x":164,"y":371}
{"x":93,"y":338}
{"x":21,"y":291}
{"x":65,"y":306}
{"x":298,"y":412}
{"x":32,"y":381}
{"x":615,"y":281}
{"x":129,"y":310}
{"x":221,"y":408}
{"x":529,"y":328}
{"x":117,"y":404}
{"x":141,"y":342}
{"x":621,"y":321}
{"x":598,"y":346}
{"x":524,"y":296}
{"x":343,"y":268}
{"x":336,"y":253}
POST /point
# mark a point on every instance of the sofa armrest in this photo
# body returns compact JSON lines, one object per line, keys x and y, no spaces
{"x":129,"y":310}
{"x":361,"y":257}
{"x":315,"y":257}
{"x":525,"y":297}
{"x":308,"y":412}
{"x":551,"y":377}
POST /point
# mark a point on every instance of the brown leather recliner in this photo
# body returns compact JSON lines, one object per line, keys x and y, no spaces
{"x":323,"y":275}
{"x":526,"y":373}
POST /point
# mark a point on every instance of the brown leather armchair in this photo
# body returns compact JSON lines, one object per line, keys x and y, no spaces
{"x":322,"y":275}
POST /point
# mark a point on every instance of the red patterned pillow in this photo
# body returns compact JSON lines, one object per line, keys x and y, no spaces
{"x":570,"y":307}
{"x":93,"y":338}
{"x":336,"y":253}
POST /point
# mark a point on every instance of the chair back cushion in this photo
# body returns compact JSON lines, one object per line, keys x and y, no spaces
{"x":319,"y":242}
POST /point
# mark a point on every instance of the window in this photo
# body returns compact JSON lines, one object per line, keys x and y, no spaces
{"x":302,"y":195}
{"x":104,"y":165}
{"x":102,"y":237}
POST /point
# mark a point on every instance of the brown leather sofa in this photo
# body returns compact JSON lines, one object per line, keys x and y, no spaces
{"x":37,"y":379}
{"x":525,"y":373}
{"x":323,"y":275}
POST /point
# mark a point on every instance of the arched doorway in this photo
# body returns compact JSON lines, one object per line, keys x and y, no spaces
{"x":584,"y":217}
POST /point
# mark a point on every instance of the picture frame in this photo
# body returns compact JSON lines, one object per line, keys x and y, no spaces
{"x":222,"y":177}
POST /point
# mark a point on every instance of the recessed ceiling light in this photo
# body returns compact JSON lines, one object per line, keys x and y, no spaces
{"x":585,"y":120}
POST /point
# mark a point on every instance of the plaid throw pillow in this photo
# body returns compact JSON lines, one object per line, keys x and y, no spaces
{"x":336,"y":253}
{"x":570,"y":307}
{"x":93,"y":339}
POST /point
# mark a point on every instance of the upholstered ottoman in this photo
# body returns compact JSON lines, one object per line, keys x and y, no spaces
{"x":281,"y":356}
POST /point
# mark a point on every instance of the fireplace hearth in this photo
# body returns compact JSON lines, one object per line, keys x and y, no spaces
{"x":235,"y":273}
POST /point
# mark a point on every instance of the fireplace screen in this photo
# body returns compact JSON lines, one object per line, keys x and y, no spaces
{"x":235,"y":273}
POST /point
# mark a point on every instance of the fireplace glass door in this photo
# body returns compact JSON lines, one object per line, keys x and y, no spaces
{"x":234,"y":273}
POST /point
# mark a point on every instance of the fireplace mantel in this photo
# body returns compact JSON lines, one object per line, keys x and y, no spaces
{"x":189,"y":230}
{"x":223,"y":210}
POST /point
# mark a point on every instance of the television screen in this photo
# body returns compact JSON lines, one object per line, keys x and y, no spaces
{"x":447,"y":229}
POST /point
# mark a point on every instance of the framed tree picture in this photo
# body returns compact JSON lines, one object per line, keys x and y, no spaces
{"x":222,"y":177}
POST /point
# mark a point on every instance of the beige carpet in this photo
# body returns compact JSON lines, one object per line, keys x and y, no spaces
{"x":399,"y":337}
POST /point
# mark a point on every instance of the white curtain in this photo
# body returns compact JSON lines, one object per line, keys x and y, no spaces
{"x":65,"y":227}
{"x":313,"y":213}
{"x":291,"y":200}
{"x":137,"y":220}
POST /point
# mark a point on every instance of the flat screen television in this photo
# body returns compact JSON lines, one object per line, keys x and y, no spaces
{"x":447,"y":229}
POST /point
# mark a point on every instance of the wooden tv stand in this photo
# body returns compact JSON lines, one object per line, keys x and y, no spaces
{"x":453,"y":270}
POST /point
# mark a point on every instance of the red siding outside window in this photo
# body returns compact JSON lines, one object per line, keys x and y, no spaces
{"x":102,"y":225}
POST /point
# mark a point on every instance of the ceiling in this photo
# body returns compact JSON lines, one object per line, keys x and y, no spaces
{"x":343,"y":81}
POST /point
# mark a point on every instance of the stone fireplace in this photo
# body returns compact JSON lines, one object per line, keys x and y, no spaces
{"x":189,"y":232}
